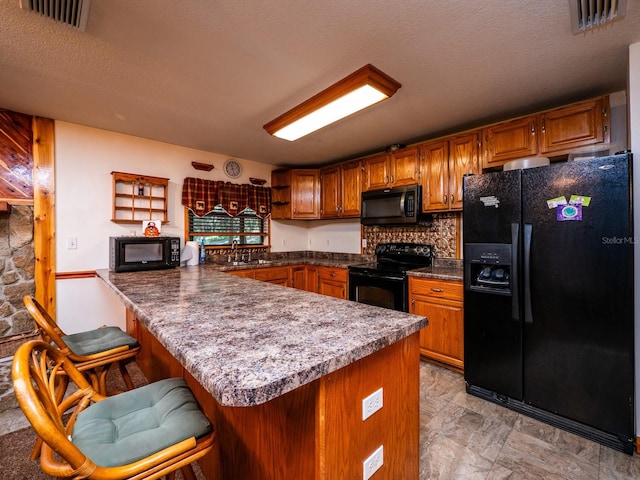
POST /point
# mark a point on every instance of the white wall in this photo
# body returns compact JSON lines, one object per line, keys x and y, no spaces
{"x":634,"y":135}
{"x":85,"y":158}
{"x":337,"y":236}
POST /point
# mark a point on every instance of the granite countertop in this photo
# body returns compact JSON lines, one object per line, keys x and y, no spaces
{"x":442,"y":269}
{"x":440,"y":273}
{"x":247,"y":341}
{"x":285,"y":262}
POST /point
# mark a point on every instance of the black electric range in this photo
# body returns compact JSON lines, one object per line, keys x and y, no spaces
{"x":384,"y":282}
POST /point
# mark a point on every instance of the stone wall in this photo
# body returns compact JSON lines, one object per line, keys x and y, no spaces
{"x":17,"y":264}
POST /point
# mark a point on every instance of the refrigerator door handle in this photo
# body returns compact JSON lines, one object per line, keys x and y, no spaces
{"x":528,"y":314}
{"x":515,"y":307}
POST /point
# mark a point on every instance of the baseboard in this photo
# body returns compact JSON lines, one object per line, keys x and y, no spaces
{"x":590,"y":433}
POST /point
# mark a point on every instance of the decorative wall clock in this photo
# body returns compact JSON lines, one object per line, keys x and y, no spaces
{"x":232,"y":168}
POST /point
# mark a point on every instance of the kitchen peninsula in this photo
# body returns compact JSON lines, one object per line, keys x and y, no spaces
{"x":282,"y":373}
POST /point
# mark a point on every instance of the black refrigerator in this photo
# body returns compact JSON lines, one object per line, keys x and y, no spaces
{"x":548,"y":297}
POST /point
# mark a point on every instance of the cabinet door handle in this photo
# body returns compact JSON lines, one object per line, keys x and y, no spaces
{"x":533,"y":128}
{"x":452,"y":197}
{"x":386,"y":179}
{"x":543,"y":126}
{"x":392,"y":179}
{"x":332,"y":274}
{"x":413,"y":303}
{"x":437,"y":290}
{"x":444,"y":199}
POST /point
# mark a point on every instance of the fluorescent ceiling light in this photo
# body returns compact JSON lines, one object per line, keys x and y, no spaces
{"x":359,"y":90}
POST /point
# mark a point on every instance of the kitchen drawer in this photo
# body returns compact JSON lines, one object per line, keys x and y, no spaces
{"x":272,"y":274}
{"x":334,"y":273}
{"x":449,"y":289}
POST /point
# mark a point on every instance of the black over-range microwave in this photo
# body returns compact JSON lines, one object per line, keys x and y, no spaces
{"x":392,"y":206}
{"x":131,"y":254}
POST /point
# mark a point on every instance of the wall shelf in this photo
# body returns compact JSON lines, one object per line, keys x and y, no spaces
{"x":139,"y":197}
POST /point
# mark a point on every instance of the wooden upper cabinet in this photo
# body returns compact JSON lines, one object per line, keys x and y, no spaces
{"x":392,"y":170}
{"x":351,"y":188}
{"x":509,"y":140}
{"x":376,"y":172}
{"x":434,"y":176}
{"x":577,"y":125}
{"x":305,"y":194}
{"x":330,"y":188}
{"x":463,"y":160}
{"x":403,"y":166}
{"x":444,"y":163}
{"x":550,"y":133}
{"x":295,"y":194}
{"x":340,"y":190}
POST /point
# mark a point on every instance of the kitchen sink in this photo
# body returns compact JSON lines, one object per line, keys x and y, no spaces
{"x":258,"y":261}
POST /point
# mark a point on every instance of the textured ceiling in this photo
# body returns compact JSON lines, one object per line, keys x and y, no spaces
{"x":209,"y":74}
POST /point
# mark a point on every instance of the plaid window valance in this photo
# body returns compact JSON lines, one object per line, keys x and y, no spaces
{"x":202,"y":196}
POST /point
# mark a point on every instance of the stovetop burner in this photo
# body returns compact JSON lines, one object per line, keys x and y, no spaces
{"x":397,"y":258}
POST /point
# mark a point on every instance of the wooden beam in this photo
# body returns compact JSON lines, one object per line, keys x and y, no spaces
{"x":44,"y":238}
{"x":5,"y":207}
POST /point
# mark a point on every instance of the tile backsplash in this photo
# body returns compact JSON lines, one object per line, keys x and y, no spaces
{"x":442,"y":234}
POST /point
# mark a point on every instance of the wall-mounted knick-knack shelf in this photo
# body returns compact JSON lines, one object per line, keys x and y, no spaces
{"x":139,"y":197}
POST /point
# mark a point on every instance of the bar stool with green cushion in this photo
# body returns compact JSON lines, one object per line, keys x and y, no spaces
{"x":147,"y":432}
{"x":93,"y":351}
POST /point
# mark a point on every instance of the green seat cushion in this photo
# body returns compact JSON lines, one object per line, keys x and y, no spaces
{"x":98,"y":340}
{"x":135,"y":424}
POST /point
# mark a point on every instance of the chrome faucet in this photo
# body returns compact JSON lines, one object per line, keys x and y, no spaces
{"x":234,"y":249}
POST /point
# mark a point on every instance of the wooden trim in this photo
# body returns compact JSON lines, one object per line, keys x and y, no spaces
{"x":458,"y":234}
{"x":5,"y":207}
{"x":44,"y":236}
{"x":72,"y":275}
{"x":17,"y":201}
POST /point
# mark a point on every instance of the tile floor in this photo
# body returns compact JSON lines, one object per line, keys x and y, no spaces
{"x":464,"y":437}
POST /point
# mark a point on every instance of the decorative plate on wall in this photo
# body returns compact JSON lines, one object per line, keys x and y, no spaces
{"x":232,"y":168}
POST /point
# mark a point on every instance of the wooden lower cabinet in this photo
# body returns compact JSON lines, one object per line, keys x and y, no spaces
{"x":243,"y":273}
{"x":304,"y":277}
{"x":275,"y":275}
{"x":315,"y":431}
{"x":333,"y":281}
{"x":441,"y":301}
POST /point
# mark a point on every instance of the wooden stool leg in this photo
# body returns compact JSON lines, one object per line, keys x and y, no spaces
{"x":187,"y":473}
{"x":125,"y":375}
{"x":61,"y":389}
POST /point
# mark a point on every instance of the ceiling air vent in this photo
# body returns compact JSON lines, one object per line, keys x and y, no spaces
{"x":71,"y":12}
{"x":589,"y":14}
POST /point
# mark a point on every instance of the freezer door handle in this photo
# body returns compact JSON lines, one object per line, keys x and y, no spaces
{"x":515,"y":307}
{"x":528,"y":314}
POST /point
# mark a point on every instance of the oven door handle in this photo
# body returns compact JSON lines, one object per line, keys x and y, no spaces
{"x":377,"y":276}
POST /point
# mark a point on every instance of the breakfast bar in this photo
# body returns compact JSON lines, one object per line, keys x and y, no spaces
{"x":281,"y":373}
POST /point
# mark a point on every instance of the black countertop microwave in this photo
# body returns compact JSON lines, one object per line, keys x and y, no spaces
{"x":392,"y":206}
{"x":131,"y":254}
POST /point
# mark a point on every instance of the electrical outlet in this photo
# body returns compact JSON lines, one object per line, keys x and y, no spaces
{"x":371,"y":404}
{"x":364,"y":243}
{"x":72,"y":243}
{"x":372,"y":464}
